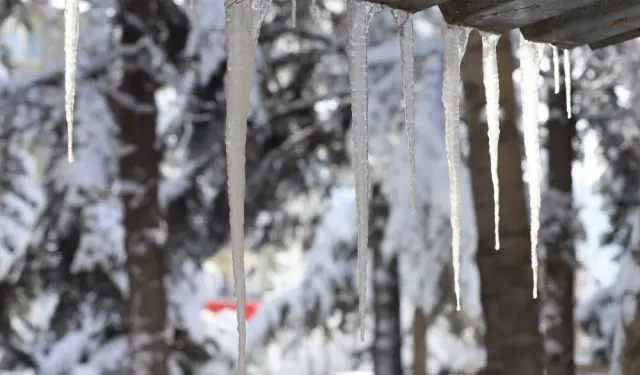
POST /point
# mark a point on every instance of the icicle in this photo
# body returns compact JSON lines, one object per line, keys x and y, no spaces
{"x":455,"y":43}
{"x":314,"y":10}
{"x":243,"y":20}
{"x":530,"y":55}
{"x":294,"y":10}
{"x":567,"y":80}
{"x":71,"y":33}
{"x":406,"y":52}
{"x":556,"y":69}
{"x":492,"y":89}
{"x":359,"y":14}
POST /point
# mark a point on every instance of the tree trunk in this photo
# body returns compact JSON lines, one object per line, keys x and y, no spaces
{"x":420,"y":342}
{"x":387,"y":342}
{"x":513,"y":340}
{"x":559,"y":272}
{"x":630,"y":354}
{"x":136,"y":113}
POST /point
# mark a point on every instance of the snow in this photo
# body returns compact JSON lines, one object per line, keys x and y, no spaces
{"x":455,"y":43}
{"x":405,"y":21}
{"x":530,"y":56}
{"x":492,"y":89}
{"x":567,"y":80}
{"x":359,"y":15}
{"x":71,"y":34}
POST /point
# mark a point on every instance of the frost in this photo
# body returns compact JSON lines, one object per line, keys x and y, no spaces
{"x":71,"y":33}
{"x":492,"y":88}
{"x":359,"y":15}
{"x":530,"y":55}
{"x":408,"y":88}
{"x":455,"y":42}
{"x":567,"y":80}
{"x":243,"y":20}
{"x":556,"y":69}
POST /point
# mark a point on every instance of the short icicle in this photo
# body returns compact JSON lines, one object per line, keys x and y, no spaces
{"x":243,"y":20}
{"x":567,"y":80}
{"x":455,"y":43}
{"x":492,"y":89}
{"x":314,"y":10}
{"x":71,"y":34}
{"x":359,"y":15}
{"x":408,"y":78}
{"x":556,"y":69}
{"x":530,"y":56}
{"x":294,"y":11}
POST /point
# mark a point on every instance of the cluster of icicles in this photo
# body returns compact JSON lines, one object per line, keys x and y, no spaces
{"x":243,"y":21}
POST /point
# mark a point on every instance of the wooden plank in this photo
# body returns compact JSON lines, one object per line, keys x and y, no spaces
{"x":504,"y":15}
{"x":620,"y":38}
{"x":589,"y":24}
{"x":412,"y":6}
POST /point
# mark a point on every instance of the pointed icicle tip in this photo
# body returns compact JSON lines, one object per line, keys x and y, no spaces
{"x":71,"y":35}
{"x":456,"y":38}
{"x":243,"y":20}
{"x":359,"y":15}
{"x":567,"y":80}
{"x":492,"y":90}
{"x":556,"y":69}
{"x":530,"y":56}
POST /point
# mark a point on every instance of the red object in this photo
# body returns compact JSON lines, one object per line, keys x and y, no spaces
{"x":216,"y":306}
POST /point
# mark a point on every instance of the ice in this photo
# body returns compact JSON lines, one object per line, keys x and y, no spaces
{"x":556,"y":69}
{"x":314,"y":10}
{"x":530,"y":55}
{"x":408,"y":76}
{"x":567,"y":80}
{"x":492,"y":89}
{"x":455,"y":43}
{"x":294,"y":10}
{"x":71,"y":33}
{"x":243,"y":20}
{"x":359,"y":15}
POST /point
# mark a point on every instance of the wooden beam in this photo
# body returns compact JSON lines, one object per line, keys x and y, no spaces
{"x":412,"y":6}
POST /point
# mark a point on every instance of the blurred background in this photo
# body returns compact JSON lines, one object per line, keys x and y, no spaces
{"x":120,"y":262}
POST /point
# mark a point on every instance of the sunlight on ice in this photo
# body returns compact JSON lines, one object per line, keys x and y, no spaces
{"x":556,"y":69}
{"x":71,"y":34}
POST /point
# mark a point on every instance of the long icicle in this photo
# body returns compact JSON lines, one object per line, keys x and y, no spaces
{"x":530,"y":55}
{"x":71,"y":34}
{"x":567,"y":80}
{"x":556,"y":69}
{"x":243,"y":20}
{"x":492,"y":89}
{"x":408,"y":77}
{"x":359,"y":15}
{"x":455,"y":41}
